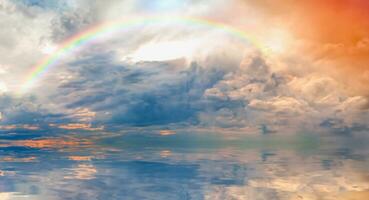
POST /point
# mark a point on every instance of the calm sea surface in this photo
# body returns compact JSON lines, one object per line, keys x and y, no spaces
{"x":182,"y":164}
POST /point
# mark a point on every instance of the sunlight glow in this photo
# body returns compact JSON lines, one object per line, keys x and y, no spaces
{"x":165,"y":50}
{"x":277,"y":41}
{"x":3,"y":88}
{"x":48,"y":49}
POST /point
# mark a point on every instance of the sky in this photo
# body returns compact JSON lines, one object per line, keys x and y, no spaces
{"x":263,"y":66}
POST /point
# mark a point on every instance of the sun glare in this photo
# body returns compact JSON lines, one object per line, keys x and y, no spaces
{"x":3,"y":87}
{"x":168,"y":50}
{"x":277,"y":41}
{"x":48,"y":49}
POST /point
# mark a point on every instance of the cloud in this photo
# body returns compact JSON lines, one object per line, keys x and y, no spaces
{"x":75,"y":126}
{"x":337,"y":48}
{"x":281,"y":105}
{"x":224,"y":82}
{"x":72,"y":21}
{"x":56,"y":143}
{"x":17,"y":127}
{"x":147,"y":93}
{"x":167,"y":94}
{"x":23,"y":111}
{"x":281,"y":98}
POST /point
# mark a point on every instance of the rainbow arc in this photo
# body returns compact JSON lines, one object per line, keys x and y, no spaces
{"x":102,"y":29}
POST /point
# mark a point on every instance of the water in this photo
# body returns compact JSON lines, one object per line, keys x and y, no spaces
{"x":184,"y":164}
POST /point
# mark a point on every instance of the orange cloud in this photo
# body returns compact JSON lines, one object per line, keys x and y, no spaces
{"x":49,"y":143}
{"x":8,"y":127}
{"x":13,"y":159}
{"x":30,"y":127}
{"x":82,"y":172}
{"x":25,"y":126}
{"x":76,"y":126}
{"x":339,"y":33}
{"x":80,"y":158}
{"x":354,"y":195}
{"x":83,"y":114}
{"x":166,"y":132}
{"x":334,"y":33}
{"x":165,"y":153}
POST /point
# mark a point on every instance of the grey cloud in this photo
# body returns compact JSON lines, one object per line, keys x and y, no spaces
{"x":72,"y":21}
{"x":339,"y":126}
{"x":146,"y":93}
{"x":26,"y":111}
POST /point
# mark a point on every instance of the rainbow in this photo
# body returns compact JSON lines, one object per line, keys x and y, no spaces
{"x":102,"y":29}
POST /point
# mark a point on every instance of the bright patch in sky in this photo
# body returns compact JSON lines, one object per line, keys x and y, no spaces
{"x":166,"y":50}
{"x":277,"y":41}
{"x":48,"y":49}
{"x":161,"y":6}
{"x":3,"y":87}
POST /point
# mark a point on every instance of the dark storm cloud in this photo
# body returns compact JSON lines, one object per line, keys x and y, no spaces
{"x":143,"y":94}
{"x":25,"y":111}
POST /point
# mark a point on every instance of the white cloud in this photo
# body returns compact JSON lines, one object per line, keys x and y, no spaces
{"x":281,"y":105}
{"x":283,"y":98}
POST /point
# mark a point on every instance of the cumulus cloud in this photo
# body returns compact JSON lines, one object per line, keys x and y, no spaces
{"x":224,"y":82}
{"x":281,"y":98}
{"x":144,"y":94}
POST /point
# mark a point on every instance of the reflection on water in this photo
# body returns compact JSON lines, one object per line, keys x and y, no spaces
{"x":184,"y":165}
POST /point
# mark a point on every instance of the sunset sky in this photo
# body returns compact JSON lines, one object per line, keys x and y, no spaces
{"x":263,"y":63}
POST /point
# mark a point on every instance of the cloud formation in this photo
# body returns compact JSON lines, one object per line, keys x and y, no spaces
{"x":139,"y":76}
